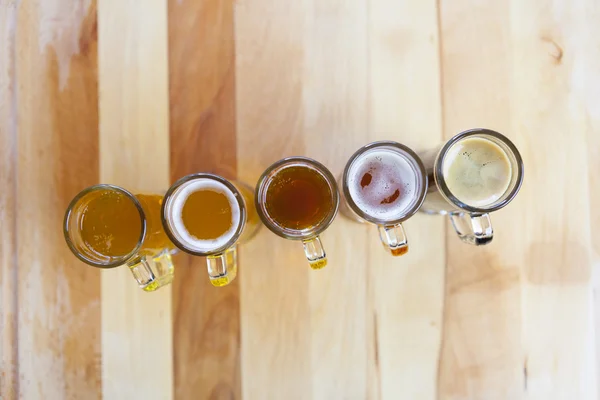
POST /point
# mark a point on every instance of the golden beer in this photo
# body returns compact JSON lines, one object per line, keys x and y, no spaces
{"x":207,"y":215}
{"x":106,"y":226}
{"x":156,"y":238}
{"x":111,"y":224}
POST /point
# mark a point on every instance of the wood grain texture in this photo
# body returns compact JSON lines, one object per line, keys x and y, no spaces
{"x":274,"y":276}
{"x":406,"y":292}
{"x":8,"y":184}
{"x":556,"y":88}
{"x":202,"y":102}
{"x":57,"y":123}
{"x":335,"y":106}
{"x":164,"y":88}
{"x":134,"y":147}
{"x":481,"y":355}
{"x":504,"y":307}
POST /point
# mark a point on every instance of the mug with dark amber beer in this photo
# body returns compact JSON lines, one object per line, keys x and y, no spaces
{"x":384,"y":183}
{"x":473,"y":174}
{"x":207,"y":215}
{"x":297,"y":198}
{"x":106,"y":226}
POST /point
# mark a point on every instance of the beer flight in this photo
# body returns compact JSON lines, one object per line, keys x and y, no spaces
{"x":384,"y":183}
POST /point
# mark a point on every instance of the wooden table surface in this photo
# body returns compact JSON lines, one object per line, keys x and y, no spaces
{"x":141,"y":92}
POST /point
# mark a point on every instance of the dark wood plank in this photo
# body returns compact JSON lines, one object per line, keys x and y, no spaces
{"x":206,"y":332}
{"x":57,"y":123}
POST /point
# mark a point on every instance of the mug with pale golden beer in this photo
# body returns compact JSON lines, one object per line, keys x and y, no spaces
{"x":473,"y":174}
{"x":207,"y":215}
{"x":297,"y":198}
{"x":106,"y":226}
{"x":384,"y":183}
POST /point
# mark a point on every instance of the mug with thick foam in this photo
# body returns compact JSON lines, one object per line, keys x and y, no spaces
{"x":476,"y":172}
{"x":207,"y":215}
{"x":384,"y":183}
{"x":106,"y":226}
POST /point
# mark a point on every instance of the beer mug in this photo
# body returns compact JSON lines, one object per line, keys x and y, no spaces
{"x":476,"y":172}
{"x":384,"y":183}
{"x":207,"y":215}
{"x":297,"y":199}
{"x":106,"y":226}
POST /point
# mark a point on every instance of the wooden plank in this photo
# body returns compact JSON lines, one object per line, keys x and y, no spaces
{"x":134,"y":148}
{"x":335,"y":104}
{"x":57,"y":122}
{"x":525,"y":70}
{"x":556,"y":108}
{"x":275,"y":322}
{"x":406,"y":293}
{"x":202,"y":102}
{"x":481,"y":355}
{"x":333,"y":101}
{"x":8,"y":156}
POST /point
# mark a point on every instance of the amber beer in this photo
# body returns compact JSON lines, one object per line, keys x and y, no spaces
{"x":297,"y":199}
{"x":106,"y":226}
{"x":207,"y":215}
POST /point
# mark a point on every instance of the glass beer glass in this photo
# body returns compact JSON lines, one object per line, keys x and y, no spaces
{"x":473,"y":174}
{"x":297,"y":199}
{"x":207,"y":215}
{"x":384,"y":183}
{"x":106,"y":226}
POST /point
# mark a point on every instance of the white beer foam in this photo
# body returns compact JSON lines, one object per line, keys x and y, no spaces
{"x":391,"y":170}
{"x":175,"y":210}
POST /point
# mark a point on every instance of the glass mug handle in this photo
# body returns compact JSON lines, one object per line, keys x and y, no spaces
{"x":152,"y":272}
{"x":222,"y":268}
{"x":394,"y":239}
{"x":473,"y":228}
{"x":315,"y":253}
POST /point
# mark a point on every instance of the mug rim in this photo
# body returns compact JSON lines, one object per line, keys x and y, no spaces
{"x":267,"y":176}
{"x":450,"y":197}
{"x":68,"y":214}
{"x":236,"y":193}
{"x":420,"y":196}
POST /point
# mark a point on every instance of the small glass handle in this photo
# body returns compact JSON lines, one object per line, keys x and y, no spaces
{"x":394,"y":239}
{"x":315,"y":254}
{"x":222,"y":268}
{"x":474,"y":229}
{"x":152,"y":272}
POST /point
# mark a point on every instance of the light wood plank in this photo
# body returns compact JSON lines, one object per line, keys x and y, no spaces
{"x":203,"y":139}
{"x":334,"y":88}
{"x":527,"y":74}
{"x":407,"y":292}
{"x":481,"y":356}
{"x":274,"y":277}
{"x":556,"y":106}
{"x":335,"y":106}
{"x":57,"y":122}
{"x":134,"y":148}
{"x":8,"y":211}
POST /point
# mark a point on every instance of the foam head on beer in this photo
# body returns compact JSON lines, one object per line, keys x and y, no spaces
{"x":477,"y":171}
{"x":203,"y":214}
{"x":385,"y":183}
